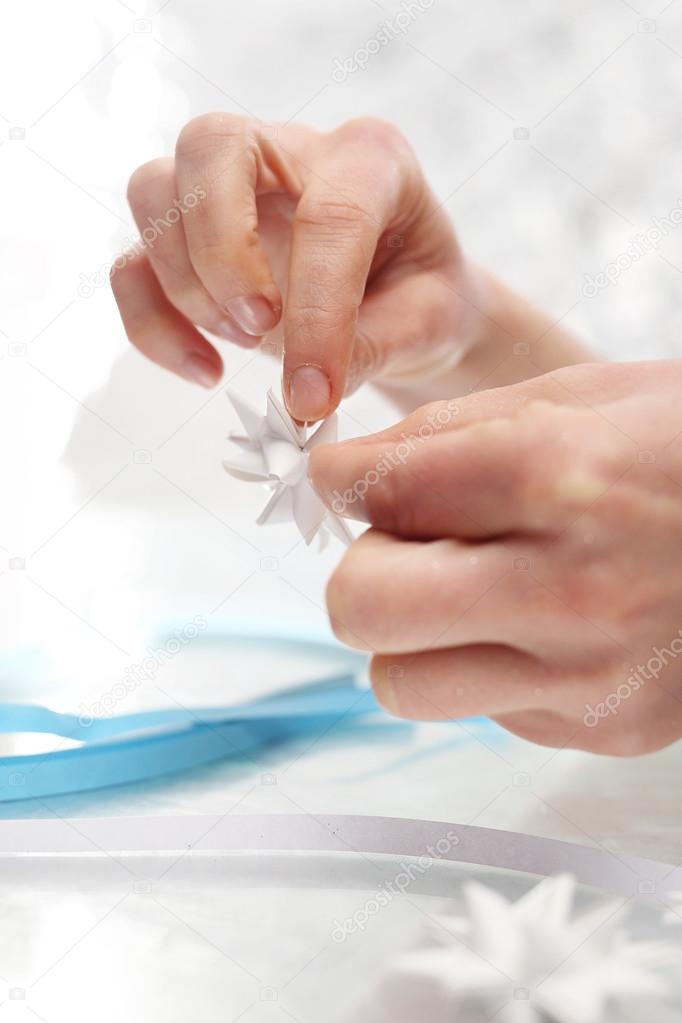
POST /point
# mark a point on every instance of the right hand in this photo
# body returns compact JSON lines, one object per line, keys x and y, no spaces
{"x":525,"y":560}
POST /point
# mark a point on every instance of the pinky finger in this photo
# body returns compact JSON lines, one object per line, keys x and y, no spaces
{"x":157,"y":329}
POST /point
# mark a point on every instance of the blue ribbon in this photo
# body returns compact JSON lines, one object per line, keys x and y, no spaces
{"x":145,"y":745}
{"x":149,"y":744}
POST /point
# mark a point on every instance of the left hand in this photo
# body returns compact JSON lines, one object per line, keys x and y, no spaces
{"x":526,"y":557}
{"x":329,"y":246}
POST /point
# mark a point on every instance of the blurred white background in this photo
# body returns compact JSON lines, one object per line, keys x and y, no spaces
{"x":551,"y":133}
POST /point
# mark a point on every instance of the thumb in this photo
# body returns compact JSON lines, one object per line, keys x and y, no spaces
{"x":435,"y":478}
{"x":411,"y":322}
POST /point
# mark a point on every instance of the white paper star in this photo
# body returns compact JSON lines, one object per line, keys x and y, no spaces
{"x":275,"y":452}
{"x":530,"y":961}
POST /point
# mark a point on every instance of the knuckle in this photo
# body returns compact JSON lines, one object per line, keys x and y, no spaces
{"x":332,"y":212}
{"x":493,"y":434}
{"x":537,"y":410}
{"x":121,"y":271}
{"x":210,"y":131}
{"x":209,"y":258}
{"x":577,"y":466}
{"x":217,"y":245}
{"x":366,"y":362}
{"x":207,"y":253}
{"x":595,"y":586}
{"x":312,"y":311}
{"x":545,"y":470}
{"x":188,"y":296}
{"x":319,"y":309}
{"x":315,"y":320}
{"x":376,"y":131}
{"x":115,"y":278}
{"x":144,"y":180}
{"x":138,"y":320}
{"x":138,"y":325}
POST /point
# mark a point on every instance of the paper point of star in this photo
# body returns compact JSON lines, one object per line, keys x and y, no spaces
{"x":274,"y":452}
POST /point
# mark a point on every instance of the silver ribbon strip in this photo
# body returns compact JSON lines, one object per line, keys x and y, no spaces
{"x":609,"y":871}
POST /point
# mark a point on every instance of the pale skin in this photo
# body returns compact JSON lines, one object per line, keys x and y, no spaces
{"x":524,"y":559}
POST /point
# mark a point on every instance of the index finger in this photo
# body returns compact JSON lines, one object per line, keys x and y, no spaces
{"x":531,"y":472}
{"x":349,"y":200}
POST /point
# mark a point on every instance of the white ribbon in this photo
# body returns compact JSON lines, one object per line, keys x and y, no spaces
{"x":617,"y":873}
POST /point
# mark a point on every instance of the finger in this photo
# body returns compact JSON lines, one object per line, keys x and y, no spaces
{"x":479,"y":406}
{"x":530,"y":698}
{"x":465,"y":483}
{"x":392,"y":595}
{"x":218,"y":159}
{"x":159,"y":218}
{"x":633,"y":731}
{"x":475,"y":680}
{"x":530,"y":473}
{"x":347,"y":203}
{"x":157,"y":329}
{"x":546,"y":728}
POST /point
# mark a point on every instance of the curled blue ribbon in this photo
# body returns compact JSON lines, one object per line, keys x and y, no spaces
{"x":149,"y":744}
{"x":141,"y":746}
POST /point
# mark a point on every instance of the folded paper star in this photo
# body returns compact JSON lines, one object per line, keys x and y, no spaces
{"x":535,"y":960}
{"x":275,"y":452}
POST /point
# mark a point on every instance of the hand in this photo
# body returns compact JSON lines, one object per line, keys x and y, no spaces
{"x":329,"y":244}
{"x":526,"y":557}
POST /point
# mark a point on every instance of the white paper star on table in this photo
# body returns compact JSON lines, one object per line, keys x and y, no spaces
{"x":275,"y":452}
{"x":535,"y":960}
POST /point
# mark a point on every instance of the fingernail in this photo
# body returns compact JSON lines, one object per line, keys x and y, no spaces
{"x":254,"y":314}
{"x":309,"y":394}
{"x":231,"y":332}
{"x":199,"y":370}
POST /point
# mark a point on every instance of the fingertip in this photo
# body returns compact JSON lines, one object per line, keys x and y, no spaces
{"x":324,"y":476}
{"x":383,"y":676}
{"x":196,"y":368}
{"x":317,"y":463}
